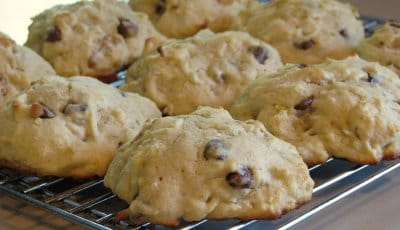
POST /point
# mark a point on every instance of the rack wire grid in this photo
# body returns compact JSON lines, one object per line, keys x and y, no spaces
{"x":89,"y":203}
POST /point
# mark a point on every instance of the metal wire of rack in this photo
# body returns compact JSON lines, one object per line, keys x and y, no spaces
{"x":89,"y":203}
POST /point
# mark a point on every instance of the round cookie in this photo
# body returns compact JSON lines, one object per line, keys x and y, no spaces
{"x":305,"y":31}
{"x":348,"y":109}
{"x":207,"y":165}
{"x":207,"y":69}
{"x":92,"y":38}
{"x":69,"y":127}
{"x":383,"y":46}
{"x":19,"y":66}
{"x":182,"y":18}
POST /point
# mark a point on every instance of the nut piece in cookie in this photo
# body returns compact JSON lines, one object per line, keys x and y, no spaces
{"x":347,"y":109}
{"x":207,"y":165}
{"x":209,"y":69}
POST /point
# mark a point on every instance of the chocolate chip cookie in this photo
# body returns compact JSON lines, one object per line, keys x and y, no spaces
{"x":348,"y":109}
{"x":305,"y":31}
{"x":383,"y":46}
{"x":92,"y":38}
{"x":207,"y":69}
{"x":182,"y":18}
{"x":69,"y":127}
{"x":19,"y":66}
{"x":207,"y":165}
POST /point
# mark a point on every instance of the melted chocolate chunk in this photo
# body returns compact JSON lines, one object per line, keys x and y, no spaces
{"x":160,"y":8}
{"x":304,"y":104}
{"x":41,"y":111}
{"x":260,"y":53}
{"x":160,"y":51}
{"x":373,"y":78}
{"x":74,"y":108}
{"x":242,"y":178}
{"x":127,"y":28}
{"x":55,"y":35}
{"x":302,"y":66}
{"x":215,"y":149}
{"x":344,"y":33}
{"x":305,"y":45}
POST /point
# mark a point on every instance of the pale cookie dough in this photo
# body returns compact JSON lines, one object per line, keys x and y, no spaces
{"x":19,"y":66}
{"x":207,"y":69}
{"x":383,"y":46}
{"x":305,"y":31}
{"x":348,"y":109}
{"x":69,"y":127}
{"x":207,"y":165}
{"x":92,"y":38}
{"x":183,"y":18}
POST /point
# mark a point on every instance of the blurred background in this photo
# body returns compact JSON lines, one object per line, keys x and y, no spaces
{"x":15,"y":15}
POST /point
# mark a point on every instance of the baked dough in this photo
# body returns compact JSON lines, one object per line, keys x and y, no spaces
{"x":348,"y":109}
{"x":183,"y":18}
{"x":207,"y":69}
{"x":92,"y":38}
{"x":19,"y":66}
{"x":383,"y":46}
{"x":69,"y":127}
{"x":207,"y":165}
{"x":305,"y":31}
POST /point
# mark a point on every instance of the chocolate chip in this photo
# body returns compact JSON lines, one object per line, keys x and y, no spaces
{"x":302,"y":66}
{"x":242,"y":178}
{"x":305,"y":45}
{"x":215,"y":149}
{"x":260,"y":53}
{"x":127,"y":28}
{"x":122,"y":94}
{"x":161,"y":7}
{"x":304,"y":104}
{"x":373,"y":78}
{"x":160,"y":51}
{"x":75,"y":108}
{"x":41,"y":111}
{"x":54,"y":35}
{"x":344,"y":33}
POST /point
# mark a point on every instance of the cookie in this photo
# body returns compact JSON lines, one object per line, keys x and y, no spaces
{"x":92,"y":38}
{"x":305,"y":31}
{"x":347,"y":109}
{"x":207,"y":165}
{"x":69,"y":127}
{"x":207,"y":69}
{"x":19,"y":66}
{"x":182,"y":18}
{"x":383,"y":46}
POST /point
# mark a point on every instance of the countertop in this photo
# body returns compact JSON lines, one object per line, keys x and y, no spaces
{"x":377,"y":206}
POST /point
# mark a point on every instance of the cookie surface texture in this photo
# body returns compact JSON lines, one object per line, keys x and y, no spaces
{"x":348,"y":109}
{"x":182,"y":18}
{"x":383,"y":46}
{"x":19,"y":66}
{"x":69,"y":127}
{"x":207,"y":165}
{"x":207,"y":69}
{"x":92,"y":38}
{"x":305,"y":31}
